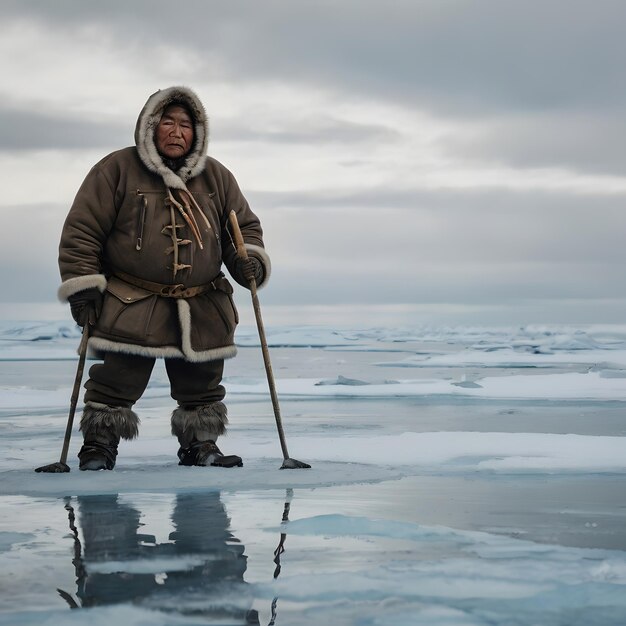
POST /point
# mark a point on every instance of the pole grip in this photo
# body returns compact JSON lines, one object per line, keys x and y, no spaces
{"x":237,"y":236}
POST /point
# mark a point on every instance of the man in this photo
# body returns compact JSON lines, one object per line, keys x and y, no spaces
{"x":140,"y":258}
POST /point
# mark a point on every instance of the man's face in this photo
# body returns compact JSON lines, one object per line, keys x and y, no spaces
{"x":174,"y":134}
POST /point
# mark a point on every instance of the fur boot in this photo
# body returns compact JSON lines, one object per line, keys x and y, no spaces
{"x":197,"y":431}
{"x":103,"y":426}
{"x":199,"y":424}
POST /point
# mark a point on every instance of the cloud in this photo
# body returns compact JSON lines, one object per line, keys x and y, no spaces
{"x":29,"y":253}
{"x":586,"y":142}
{"x":309,"y":130}
{"x":459,"y":56}
{"x":33,"y":130}
{"x":447,"y":247}
{"x":444,"y":151}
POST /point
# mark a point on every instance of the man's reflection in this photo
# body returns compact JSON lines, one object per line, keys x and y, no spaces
{"x":199,"y":571}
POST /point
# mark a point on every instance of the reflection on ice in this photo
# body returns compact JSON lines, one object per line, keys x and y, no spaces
{"x":197,"y":571}
{"x":339,"y":569}
{"x":479,"y":578}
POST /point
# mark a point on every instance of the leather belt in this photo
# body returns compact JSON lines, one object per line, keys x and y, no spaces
{"x":173,"y":291}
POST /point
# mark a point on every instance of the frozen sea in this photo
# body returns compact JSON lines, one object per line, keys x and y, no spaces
{"x":460,"y":476}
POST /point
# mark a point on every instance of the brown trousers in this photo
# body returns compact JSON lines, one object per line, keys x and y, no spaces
{"x":121,"y":379}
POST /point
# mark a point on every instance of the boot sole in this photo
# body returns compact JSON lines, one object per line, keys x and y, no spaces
{"x":93,"y":465}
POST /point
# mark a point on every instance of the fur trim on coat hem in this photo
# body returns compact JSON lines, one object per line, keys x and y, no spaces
{"x":98,"y":344}
{"x":184,"y":318}
{"x":80,"y":283}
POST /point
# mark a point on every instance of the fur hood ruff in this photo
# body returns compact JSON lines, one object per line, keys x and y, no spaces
{"x":149,"y":119}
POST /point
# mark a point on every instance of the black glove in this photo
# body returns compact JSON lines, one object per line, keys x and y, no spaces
{"x":86,"y":306}
{"x":250,"y":268}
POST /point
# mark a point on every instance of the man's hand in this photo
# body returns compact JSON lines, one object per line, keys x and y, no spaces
{"x":86,"y":306}
{"x":250,"y":268}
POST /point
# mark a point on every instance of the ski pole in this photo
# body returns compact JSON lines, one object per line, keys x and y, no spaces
{"x":61,"y":466}
{"x":288,"y":463}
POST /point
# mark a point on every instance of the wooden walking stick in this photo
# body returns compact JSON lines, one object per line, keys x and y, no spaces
{"x":288,"y":463}
{"x":61,"y":466}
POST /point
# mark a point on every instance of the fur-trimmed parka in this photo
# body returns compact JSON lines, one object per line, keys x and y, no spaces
{"x":135,"y":217}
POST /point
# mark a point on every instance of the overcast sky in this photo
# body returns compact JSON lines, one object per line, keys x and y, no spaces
{"x":457,"y":161}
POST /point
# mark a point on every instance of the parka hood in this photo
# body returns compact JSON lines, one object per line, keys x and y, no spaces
{"x":149,"y":119}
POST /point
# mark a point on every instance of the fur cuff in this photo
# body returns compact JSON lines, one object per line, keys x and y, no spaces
{"x":260,"y":254}
{"x":80,"y":283}
{"x":208,"y":418}
{"x":119,"y":420}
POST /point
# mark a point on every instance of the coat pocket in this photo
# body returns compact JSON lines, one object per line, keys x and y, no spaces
{"x":126,"y":310}
{"x":229,"y":311}
{"x":225,"y":308}
{"x":234,"y":308}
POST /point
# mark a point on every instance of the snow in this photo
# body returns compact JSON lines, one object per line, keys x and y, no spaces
{"x":573,"y":386}
{"x":460,"y":476}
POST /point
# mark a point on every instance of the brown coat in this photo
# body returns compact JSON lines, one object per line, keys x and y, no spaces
{"x":122,"y":221}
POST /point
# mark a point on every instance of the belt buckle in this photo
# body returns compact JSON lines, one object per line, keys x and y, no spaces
{"x":173,"y":291}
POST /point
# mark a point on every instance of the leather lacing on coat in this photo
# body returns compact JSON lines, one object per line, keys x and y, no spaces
{"x":185,"y":208}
